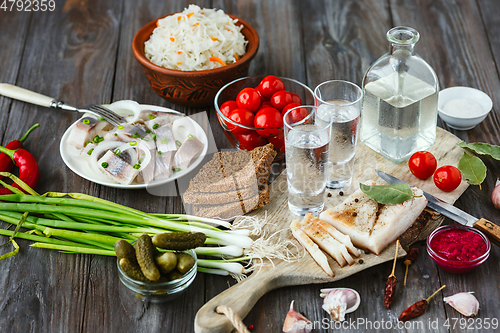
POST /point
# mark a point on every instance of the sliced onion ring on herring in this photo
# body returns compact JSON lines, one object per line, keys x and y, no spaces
{"x":182,"y":127}
{"x":124,"y":108}
{"x":102,"y":148}
{"x":138,"y":145}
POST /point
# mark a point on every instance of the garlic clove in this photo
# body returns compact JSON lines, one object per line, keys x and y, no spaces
{"x":296,"y":323}
{"x":465,"y":303}
{"x":339,"y":301}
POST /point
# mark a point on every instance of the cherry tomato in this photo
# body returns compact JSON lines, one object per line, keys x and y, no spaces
{"x":269,"y":85}
{"x":249,"y":99}
{"x":280,"y":99}
{"x":227,"y":107}
{"x":278,"y":141}
{"x":268,"y":118}
{"x":296,"y":115}
{"x":447,"y":178}
{"x":296,"y":98}
{"x":241,"y":116}
{"x":265,"y":104}
{"x":250,"y":140}
{"x":422,"y":164}
{"x":262,"y":98}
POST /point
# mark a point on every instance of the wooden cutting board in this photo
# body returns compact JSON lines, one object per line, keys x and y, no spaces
{"x":243,"y":296}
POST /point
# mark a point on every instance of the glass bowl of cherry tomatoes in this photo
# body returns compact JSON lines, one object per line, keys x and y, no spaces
{"x":250,"y":110}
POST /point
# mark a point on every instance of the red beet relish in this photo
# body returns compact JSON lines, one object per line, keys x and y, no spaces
{"x":458,"y":244}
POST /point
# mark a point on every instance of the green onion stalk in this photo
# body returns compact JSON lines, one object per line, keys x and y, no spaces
{"x":80,"y":223}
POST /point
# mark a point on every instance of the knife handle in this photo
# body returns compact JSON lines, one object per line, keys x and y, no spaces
{"x":490,"y":229}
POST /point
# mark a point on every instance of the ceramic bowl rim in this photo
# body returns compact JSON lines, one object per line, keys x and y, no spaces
{"x":252,"y":49}
{"x":485,"y":101}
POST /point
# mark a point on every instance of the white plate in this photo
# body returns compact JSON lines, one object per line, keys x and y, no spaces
{"x":71,"y":157}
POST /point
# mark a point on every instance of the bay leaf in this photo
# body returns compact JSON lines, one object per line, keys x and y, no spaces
{"x":472,"y":169}
{"x":388,"y":194}
{"x":482,"y":148}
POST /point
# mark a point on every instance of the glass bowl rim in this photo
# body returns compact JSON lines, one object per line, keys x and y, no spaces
{"x":173,"y":283}
{"x":226,"y":119}
{"x":477,"y":260}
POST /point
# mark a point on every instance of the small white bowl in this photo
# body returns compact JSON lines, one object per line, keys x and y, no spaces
{"x":468,"y":107}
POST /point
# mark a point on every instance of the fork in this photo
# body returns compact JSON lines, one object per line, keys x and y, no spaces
{"x":21,"y":94}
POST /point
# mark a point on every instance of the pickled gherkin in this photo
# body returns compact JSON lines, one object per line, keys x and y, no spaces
{"x":179,"y":241}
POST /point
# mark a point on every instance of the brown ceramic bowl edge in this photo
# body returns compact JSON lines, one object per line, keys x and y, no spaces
{"x":138,"y":50}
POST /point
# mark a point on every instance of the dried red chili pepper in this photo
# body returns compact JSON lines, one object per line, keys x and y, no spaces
{"x":28,"y":167}
{"x":417,"y":308}
{"x":410,"y":258}
{"x":390,"y":285}
{"x":414,"y":310}
{"x":6,"y":163}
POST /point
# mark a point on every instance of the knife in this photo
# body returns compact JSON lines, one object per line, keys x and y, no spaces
{"x":490,"y":229}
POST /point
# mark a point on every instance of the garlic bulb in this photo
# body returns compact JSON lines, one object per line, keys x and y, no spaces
{"x":339,"y":301}
{"x":495,"y":195}
{"x":296,"y":323}
{"x":465,"y":303}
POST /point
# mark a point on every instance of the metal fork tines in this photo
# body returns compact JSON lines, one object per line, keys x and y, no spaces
{"x":96,"y":109}
{"x":106,"y":113}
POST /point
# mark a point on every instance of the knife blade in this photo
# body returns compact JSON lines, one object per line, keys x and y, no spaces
{"x":491,"y":230}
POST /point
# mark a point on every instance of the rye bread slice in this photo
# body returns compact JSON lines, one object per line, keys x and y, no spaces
{"x":236,"y":208}
{"x":207,"y":198}
{"x":239,"y":169}
{"x":226,"y":211}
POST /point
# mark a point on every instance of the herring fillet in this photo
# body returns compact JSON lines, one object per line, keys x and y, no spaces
{"x":311,"y":247}
{"x":374,"y":226}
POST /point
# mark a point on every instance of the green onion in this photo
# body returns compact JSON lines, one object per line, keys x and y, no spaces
{"x":232,"y":267}
{"x":178,"y":143}
{"x":153,"y":136}
{"x":190,"y":136}
{"x":101,"y":119}
{"x":136,"y":166}
{"x":90,"y":151}
{"x":155,"y":126}
{"x":150,"y":116}
{"x":164,"y":141}
{"x":133,"y":143}
{"x":120,"y":127}
{"x":86,"y":121}
{"x":117,"y":151}
{"x":80,"y":223}
{"x":104,"y":165}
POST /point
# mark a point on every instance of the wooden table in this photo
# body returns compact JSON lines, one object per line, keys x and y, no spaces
{"x":81,"y":53}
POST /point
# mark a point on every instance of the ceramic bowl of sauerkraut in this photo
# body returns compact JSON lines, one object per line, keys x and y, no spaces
{"x":188,"y":56}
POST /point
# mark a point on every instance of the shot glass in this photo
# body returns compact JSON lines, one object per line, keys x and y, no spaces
{"x":307,"y":140}
{"x":340,"y":101}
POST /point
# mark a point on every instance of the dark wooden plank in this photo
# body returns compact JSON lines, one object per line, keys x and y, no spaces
{"x":14,"y":27}
{"x":342,"y":39}
{"x":69,"y":54}
{"x":178,"y":316}
{"x":463,"y":61}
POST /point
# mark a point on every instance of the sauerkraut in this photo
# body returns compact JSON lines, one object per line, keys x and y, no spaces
{"x":196,"y":39}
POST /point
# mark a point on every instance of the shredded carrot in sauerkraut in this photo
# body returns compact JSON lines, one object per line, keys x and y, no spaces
{"x":216,"y":41}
